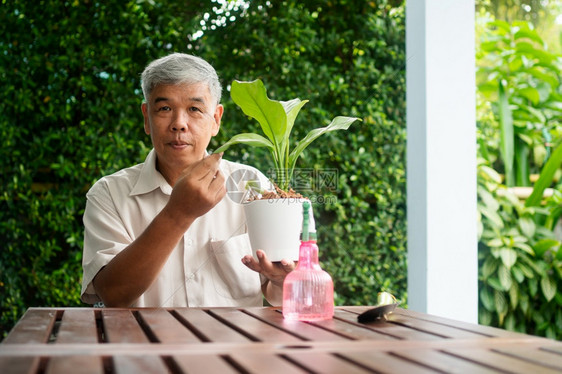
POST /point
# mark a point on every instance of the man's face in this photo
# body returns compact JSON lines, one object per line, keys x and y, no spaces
{"x":180,"y":119}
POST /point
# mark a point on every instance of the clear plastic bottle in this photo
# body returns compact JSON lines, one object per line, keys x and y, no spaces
{"x":308,"y":291}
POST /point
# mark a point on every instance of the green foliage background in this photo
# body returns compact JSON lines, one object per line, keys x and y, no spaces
{"x":70,"y":113}
{"x":520,"y":115}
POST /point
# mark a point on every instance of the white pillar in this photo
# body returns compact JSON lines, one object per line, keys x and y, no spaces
{"x":441,"y":158}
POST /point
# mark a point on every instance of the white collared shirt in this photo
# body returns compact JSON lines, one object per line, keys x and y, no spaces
{"x":205,"y":268}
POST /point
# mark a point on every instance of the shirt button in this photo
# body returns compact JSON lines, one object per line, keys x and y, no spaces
{"x":190,"y":242}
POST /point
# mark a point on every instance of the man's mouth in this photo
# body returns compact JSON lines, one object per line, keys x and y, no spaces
{"x":178,"y":144}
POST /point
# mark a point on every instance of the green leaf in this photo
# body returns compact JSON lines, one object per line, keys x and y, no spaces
{"x":539,"y":116}
{"x":536,"y":266}
{"x":495,"y":284}
{"x":524,"y":304}
{"x":504,"y":276}
{"x":550,"y":334}
{"x":530,"y":94}
{"x":502,"y":25}
{"x":524,"y":247}
{"x":484,"y":317}
{"x":493,"y":216}
{"x":509,"y":257}
{"x":514,"y":295}
{"x":488,"y":199}
{"x":526,"y":33}
{"x":516,"y":63}
{"x":546,"y":176}
{"x":292,"y":108}
{"x":248,"y":139}
{"x":510,"y":322}
{"x":507,"y":147}
{"x":517,"y":273}
{"x":559,"y":253}
{"x":489,"y":267}
{"x":501,"y":305}
{"x":519,"y":239}
{"x":548,"y":287}
{"x":533,"y":287}
{"x":521,"y":165}
{"x":494,"y":243}
{"x":544,"y":245}
{"x":489,"y":174}
{"x":487,"y":299}
{"x":338,"y":123}
{"x":252,"y":98}
{"x":545,"y":76}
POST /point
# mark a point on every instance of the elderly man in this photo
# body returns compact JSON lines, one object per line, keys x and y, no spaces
{"x":162,"y":233}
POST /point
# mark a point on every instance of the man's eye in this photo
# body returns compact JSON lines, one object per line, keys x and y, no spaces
{"x":194,"y":109}
{"x":164,"y":109}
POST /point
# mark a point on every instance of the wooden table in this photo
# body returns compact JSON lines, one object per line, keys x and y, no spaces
{"x":258,"y":340}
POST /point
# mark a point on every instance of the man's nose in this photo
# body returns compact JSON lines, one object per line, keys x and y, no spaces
{"x":180,"y":122}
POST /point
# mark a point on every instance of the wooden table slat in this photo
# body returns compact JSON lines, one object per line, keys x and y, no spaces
{"x":203,"y":364}
{"x":481,"y":329}
{"x":77,"y":327}
{"x":269,"y":363}
{"x":121,"y":326}
{"x":390,"y":331}
{"x":538,"y":356}
{"x":552,"y":348}
{"x":34,"y":327}
{"x":353,"y":330}
{"x":166,"y":328}
{"x":75,"y":364}
{"x":305,"y":331}
{"x":434,"y":328}
{"x":326,"y":363}
{"x":19,"y":365}
{"x":211,"y":328}
{"x":443,"y":362}
{"x":132,"y":364}
{"x":501,"y":362}
{"x":255,"y":328}
{"x":383,"y":362}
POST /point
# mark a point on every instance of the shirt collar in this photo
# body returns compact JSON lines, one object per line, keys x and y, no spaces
{"x":150,"y":178}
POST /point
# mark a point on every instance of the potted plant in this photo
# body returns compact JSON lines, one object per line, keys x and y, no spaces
{"x":274,"y":218}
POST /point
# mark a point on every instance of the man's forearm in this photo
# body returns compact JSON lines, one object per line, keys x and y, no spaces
{"x":129,"y":274}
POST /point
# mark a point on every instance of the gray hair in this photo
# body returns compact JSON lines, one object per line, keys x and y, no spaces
{"x":179,"y":68}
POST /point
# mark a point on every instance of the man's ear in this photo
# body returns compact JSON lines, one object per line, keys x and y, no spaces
{"x":219,"y":110}
{"x":144,"y":108}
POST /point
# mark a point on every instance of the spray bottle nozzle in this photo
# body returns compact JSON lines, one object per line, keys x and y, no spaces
{"x":305,"y":208}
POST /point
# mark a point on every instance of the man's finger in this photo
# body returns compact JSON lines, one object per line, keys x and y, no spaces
{"x":217,"y":185}
{"x":264,"y":262}
{"x":269,"y":268}
{"x":207,"y":167}
{"x":288,"y":265}
{"x":251,"y":262}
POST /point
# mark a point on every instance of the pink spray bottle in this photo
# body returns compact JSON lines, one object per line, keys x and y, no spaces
{"x":308,"y":291}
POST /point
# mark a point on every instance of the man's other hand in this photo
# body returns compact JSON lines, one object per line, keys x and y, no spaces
{"x":275,"y":272}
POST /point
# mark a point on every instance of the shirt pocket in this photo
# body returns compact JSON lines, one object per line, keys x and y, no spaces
{"x":231,"y":278}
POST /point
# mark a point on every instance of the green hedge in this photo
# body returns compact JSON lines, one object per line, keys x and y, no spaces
{"x":70,"y":113}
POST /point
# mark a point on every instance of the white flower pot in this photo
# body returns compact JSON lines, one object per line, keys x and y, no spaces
{"x":274,"y":226}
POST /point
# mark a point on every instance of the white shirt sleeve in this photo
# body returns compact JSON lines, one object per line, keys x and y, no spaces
{"x":104,"y":236}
